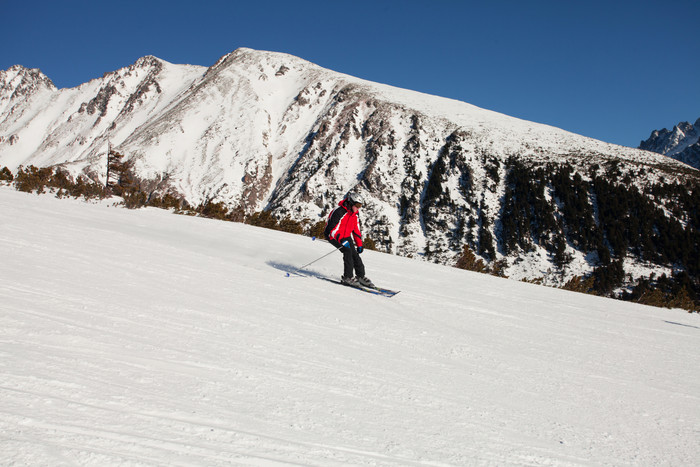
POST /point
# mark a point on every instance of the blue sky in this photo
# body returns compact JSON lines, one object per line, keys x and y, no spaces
{"x":612,"y":70}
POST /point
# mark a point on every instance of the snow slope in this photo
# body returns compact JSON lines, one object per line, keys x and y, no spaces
{"x":146,"y":338}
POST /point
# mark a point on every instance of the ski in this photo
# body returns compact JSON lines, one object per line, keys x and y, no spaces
{"x":373,"y":290}
{"x":385,"y":292}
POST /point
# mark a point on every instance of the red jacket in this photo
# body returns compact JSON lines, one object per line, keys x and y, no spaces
{"x":343,"y":223}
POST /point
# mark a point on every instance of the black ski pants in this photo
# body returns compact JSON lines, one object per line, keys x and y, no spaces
{"x":351,"y":258}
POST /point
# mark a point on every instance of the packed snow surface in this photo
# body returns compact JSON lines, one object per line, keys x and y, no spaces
{"x":147,"y":338}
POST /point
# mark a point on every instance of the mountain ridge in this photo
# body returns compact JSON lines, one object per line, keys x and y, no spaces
{"x":681,"y":143}
{"x":269,"y":131}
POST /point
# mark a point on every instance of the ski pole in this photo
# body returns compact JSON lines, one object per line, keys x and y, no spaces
{"x":296,"y":271}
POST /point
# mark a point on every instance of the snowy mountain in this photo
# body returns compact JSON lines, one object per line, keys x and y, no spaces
{"x":263,"y":130}
{"x":41,"y":125}
{"x":137,"y":337}
{"x":681,"y":143}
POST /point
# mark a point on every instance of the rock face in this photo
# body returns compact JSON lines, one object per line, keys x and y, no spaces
{"x":681,"y":143}
{"x":262,"y":130}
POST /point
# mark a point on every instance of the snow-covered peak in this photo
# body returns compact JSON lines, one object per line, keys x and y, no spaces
{"x":509,"y":132}
{"x":681,"y":143}
{"x":685,"y":135}
{"x":148,"y":61}
{"x":19,"y":84}
{"x":49,"y":126}
{"x":18,"y":77}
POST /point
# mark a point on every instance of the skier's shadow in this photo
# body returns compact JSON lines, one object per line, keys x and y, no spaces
{"x":293,"y":271}
{"x":681,"y":324}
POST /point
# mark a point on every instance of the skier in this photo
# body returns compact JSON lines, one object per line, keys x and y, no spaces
{"x":343,"y":231}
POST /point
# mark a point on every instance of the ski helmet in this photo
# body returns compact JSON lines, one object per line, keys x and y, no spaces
{"x":354,"y":198}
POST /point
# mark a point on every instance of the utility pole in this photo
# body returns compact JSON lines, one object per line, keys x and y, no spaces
{"x":109,"y":155}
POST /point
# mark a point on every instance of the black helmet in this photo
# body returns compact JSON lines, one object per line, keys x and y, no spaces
{"x":353,"y":198}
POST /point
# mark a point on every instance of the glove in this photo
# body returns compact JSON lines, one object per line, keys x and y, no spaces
{"x":359,"y":249}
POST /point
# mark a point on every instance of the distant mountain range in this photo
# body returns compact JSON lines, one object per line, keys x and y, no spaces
{"x":269,"y":131}
{"x":681,"y":143}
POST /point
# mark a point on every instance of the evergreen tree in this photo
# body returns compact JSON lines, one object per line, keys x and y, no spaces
{"x":6,"y":175}
{"x":468,"y":261}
